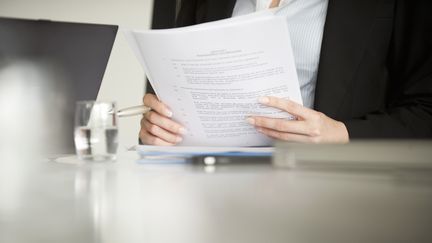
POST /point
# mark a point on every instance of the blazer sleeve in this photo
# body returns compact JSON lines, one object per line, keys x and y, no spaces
{"x":408,"y":112}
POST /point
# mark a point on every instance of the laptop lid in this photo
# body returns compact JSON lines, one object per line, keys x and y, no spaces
{"x":50,"y":65}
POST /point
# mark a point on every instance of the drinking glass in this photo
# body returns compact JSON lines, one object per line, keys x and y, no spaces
{"x":96,"y":132}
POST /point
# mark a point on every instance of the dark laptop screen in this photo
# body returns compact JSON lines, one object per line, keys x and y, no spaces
{"x":64,"y":61}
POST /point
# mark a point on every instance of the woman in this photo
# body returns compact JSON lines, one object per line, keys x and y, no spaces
{"x":364,"y":66}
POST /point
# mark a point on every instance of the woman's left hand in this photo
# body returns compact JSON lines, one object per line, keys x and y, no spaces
{"x":310,"y":127}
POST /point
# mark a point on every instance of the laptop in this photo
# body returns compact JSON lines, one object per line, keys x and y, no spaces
{"x":55,"y":64}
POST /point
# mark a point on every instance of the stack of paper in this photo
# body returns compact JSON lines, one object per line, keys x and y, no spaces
{"x":211,"y":75}
{"x":181,"y":154}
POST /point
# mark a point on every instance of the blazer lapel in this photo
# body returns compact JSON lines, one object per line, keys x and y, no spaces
{"x":345,"y":34}
{"x":211,"y":10}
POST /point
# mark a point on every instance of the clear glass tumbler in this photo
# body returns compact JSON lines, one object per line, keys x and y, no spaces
{"x":96,"y":131}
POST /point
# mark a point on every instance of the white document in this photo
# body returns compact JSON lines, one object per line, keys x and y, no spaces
{"x":191,"y":150}
{"x":182,"y":154}
{"x":211,"y":75}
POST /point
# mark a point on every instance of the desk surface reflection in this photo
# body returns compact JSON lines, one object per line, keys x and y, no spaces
{"x":47,"y":201}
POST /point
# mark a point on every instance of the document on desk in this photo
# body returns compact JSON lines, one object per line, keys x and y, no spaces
{"x":211,"y":75}
{"x":181,"y":154}
{"x":147,"y":150}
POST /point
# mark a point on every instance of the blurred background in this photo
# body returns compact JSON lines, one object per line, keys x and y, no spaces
{"x":124,"y":79}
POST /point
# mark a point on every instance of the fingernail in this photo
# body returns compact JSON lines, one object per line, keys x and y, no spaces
{"x":182,"y":131}
{"x":259,"y":130}
{"x":264,"y":100}
{"x":168,"y":113}
{"x":250,"y":120}
{"x":179,"y":139}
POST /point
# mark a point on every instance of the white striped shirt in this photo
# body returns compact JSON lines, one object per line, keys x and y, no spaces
{"x":306,"y":19}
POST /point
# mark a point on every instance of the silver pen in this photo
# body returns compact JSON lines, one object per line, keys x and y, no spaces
{"x":133,"y":111}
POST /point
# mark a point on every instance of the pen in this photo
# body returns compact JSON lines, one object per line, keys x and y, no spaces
{"x":133,"y":111}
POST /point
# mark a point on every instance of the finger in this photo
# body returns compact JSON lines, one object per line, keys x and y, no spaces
{"x":147,"y":138}
{"x":153,"y":102}
{"x":289,"y":106}
{"x":291,"y":137}
{"x":165,"y":123}
{"x":161,"y":133}
{"x":281,"y":125}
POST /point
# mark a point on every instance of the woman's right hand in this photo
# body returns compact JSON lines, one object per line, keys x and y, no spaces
{"x":157,"y":127}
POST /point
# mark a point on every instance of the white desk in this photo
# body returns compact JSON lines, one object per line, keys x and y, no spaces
{"x":46,"y":202}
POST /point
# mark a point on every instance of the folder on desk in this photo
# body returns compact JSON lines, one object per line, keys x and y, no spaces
{"x":183,"y":154}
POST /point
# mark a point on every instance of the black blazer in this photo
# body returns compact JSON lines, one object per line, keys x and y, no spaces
{"x":375,"y":71}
